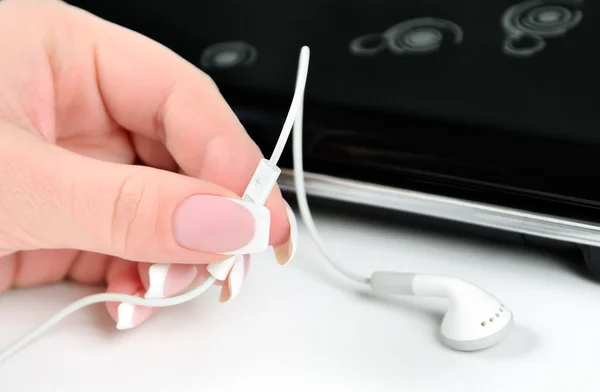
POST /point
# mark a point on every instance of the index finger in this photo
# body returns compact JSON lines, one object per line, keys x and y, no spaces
{"x":150,"y":90}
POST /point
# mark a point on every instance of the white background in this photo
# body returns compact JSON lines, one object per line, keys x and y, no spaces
{"x":301,"y":328}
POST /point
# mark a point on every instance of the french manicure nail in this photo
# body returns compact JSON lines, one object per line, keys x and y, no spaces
{"x":284,"y":253}
{"x":169,"y":279}
{"x":235,"y":279}
{"x":129,"y":316}
{"x":221,"y":269}
{"x":221,"y":225}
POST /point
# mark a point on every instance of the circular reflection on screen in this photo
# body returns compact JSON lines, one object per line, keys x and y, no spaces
{"x":536,"y":21}
{"x":422,"y":35}
{"x":368,"y":45}
{"x":228,"y":55}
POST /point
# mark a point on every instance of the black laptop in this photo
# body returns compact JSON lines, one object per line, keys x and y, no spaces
{"x":478,"y":113}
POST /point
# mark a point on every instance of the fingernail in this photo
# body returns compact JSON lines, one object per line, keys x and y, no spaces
{"x":129,"y":316}
{"x":169,"y":279}
{"x":221,"y":269}
{"x":235,"y":279}
{"x":284,"y":253}
{"x":221,"y":225}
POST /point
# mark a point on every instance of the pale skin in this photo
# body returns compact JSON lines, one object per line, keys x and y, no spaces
{"x":81,"y":101}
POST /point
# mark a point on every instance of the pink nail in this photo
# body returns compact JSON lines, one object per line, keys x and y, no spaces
{"x":169,"y":279}
{"x":130,"y":316}
{"x":216,"y":224}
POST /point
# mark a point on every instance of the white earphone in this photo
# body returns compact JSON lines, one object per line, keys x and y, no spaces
{"x":475,"y":319}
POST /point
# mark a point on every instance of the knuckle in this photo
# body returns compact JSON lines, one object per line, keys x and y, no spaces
{"x":208,"y":82}
{"x":129,"y":218}
{"x":179,"y":95}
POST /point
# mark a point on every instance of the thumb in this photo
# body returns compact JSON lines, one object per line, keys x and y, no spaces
{"x":52,"y":198}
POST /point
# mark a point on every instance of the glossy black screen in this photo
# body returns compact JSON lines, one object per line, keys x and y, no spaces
{"x":504,"y":110}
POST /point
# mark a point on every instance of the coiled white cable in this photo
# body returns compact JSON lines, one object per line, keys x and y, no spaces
{"x":293,"y":119}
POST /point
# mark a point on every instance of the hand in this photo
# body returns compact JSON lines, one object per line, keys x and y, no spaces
{"x":82,"y":101}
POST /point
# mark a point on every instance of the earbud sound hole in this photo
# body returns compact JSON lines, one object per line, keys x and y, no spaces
{"x":491,"y":319}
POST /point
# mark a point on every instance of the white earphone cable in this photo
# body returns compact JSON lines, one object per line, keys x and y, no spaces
{"x":98,"y":298}
{"x":293,"y":119}
{"x":295,"y":107}
{"x":301,"y":196}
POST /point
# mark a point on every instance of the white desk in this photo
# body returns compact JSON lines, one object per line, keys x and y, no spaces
{"x":299,"y":328}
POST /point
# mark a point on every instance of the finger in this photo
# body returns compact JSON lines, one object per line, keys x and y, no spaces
{"x":153,"y":153}
{"x":127,"y":281}
{"x":8,"y":269}
{"x":167,"y":280}
{"x":132,"y":212}
{"x":44,"y":266}
{"x":89,"y":268}
{"x":151,"y":91}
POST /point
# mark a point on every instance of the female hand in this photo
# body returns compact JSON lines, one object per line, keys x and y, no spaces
{"x":81,"y":101}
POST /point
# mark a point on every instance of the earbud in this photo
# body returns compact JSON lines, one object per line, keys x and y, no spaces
{"x":475,"y":319}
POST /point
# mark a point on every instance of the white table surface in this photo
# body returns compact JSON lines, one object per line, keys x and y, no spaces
{"x":300,"y":328}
